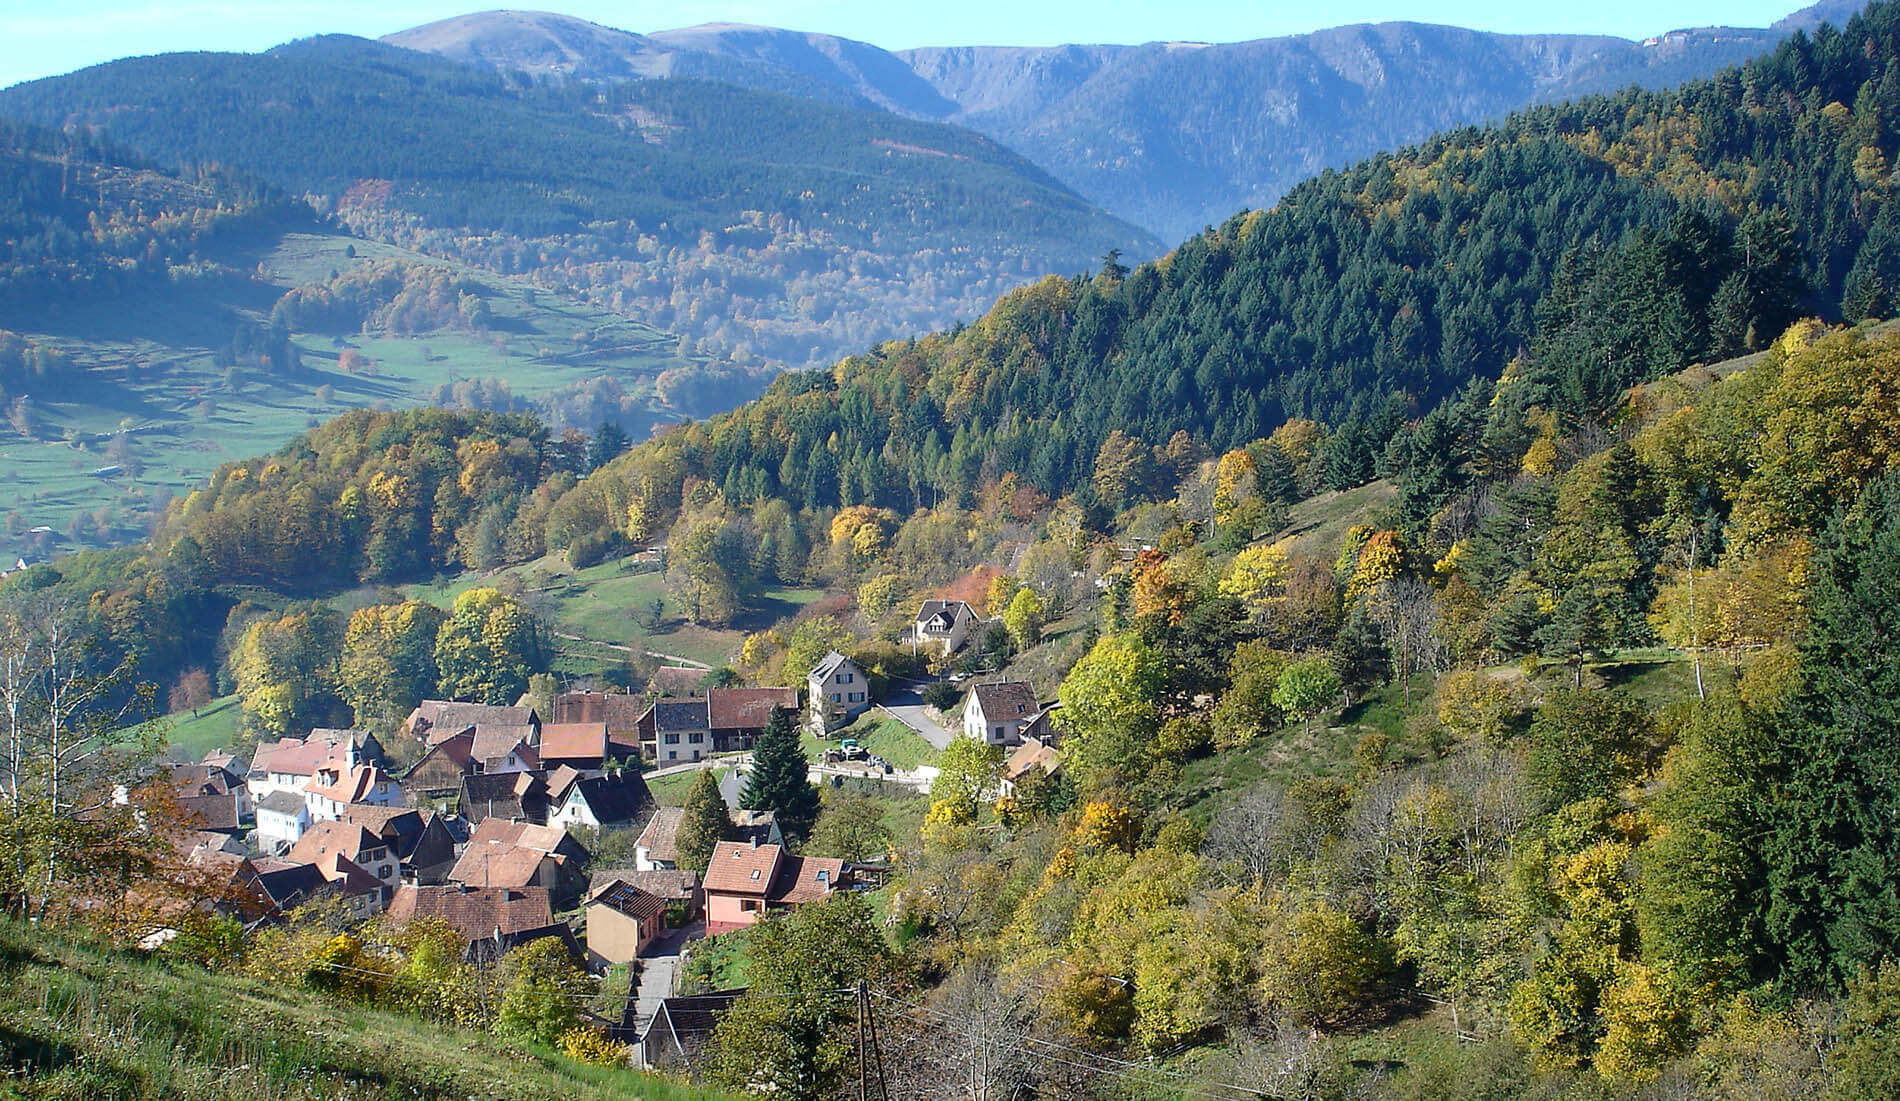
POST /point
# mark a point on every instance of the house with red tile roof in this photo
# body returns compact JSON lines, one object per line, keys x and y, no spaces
{"x":745,"y":882}
{"x":520,"y":854}
{"x":365,"y":850}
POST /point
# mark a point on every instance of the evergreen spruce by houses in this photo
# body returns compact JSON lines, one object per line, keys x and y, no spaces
{"x":704,"y":824}
{"x":778,"y":783}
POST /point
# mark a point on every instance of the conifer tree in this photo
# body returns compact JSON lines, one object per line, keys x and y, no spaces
{"x":777,"y":782}
{"x":703,"y":825}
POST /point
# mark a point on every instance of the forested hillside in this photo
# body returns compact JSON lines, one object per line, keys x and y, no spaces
{"x":1604,"y":242}
{"x":765,"y":226}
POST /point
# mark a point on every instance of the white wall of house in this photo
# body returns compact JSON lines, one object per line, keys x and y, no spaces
{"x":277,"y":832}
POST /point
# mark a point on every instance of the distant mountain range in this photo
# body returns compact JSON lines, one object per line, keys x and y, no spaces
{"x":1171,"y":136}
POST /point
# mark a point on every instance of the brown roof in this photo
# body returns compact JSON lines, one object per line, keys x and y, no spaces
{"x":325,"y":838}
{"x":377,"y":819}
{"x":196,"y":780}
{"x":493,"y":741}
{"x":1010,"y":699}
{"x":739,"y":869}
{"x":570,"y":741}
{"x":559,"y":779}
{"x":210,"y":812}
{"x":737,"y":708}
{"x":353,"y":877}
{"x":1029,"y":755}
{"x":507,"y":854}
{"x":660,"y":836}
{"x":449,"y":713}
{"x":625,"y":898}
{"x":618,"y":711}
{"x":292,"y":757}
{"x":355,"y":786}
{"x":806,"y":879}
{"x":669,"y":884}
{"x":677,"y":680}
{"x":476,"y":912}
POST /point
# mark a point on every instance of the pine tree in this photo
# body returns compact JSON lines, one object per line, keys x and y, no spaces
{"x":777,"y":782}
{"x":703,"y":825}
{"x":1834,"y":907}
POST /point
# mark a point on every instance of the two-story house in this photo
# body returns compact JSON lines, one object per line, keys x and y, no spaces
{"x":837,"y":692}
{"x":745,"y":882}
{"x":1003,"y":713}
{"x":945,"y":625}
{"x":334,"y":788}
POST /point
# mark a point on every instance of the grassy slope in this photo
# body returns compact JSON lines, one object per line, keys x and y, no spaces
{"x":903,"y":747}
{"x":606,"y":605}
{"x":213,"y":727}
{"x":78,"y":1021}
{"x":149,"y":355}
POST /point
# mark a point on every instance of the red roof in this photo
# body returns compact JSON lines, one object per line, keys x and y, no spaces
{"x":740,"y":708}
{"x":739,"y":869}
{"x":355,"y":787}
{"x":574,"y":741}
{"x":325,"y":838}
{"x":292,"y":757}
{"x":806,"y":879}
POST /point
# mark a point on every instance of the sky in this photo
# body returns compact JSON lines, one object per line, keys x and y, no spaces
{"x":41,"y":38}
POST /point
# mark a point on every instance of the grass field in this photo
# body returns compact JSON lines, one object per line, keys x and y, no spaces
{"x":81,"y":1021}
{"x":610,"y":605}
{"x":151,"y":374}
{"x":670,"y":790}
{"x":214,"y":727}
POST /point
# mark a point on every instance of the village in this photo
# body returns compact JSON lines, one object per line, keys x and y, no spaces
{"x":488,"y":831}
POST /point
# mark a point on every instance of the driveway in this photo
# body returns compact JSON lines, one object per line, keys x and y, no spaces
{"x":904,"y":701}
{"x":659,"y":973}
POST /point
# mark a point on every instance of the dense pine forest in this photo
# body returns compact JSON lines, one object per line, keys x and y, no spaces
{"x":1467,"y":589}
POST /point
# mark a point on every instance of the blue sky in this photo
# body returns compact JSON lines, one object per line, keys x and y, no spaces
{"x":45,"y":37}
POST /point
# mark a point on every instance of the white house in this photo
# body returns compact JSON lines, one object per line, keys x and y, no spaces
{"x":334,"y":788}
{"x":282,"y":818}
{"x":836,"y":692}
{"x":945,"y":624}
{"x":1003,"y":713}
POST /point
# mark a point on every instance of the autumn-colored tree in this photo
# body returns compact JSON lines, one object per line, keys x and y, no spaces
{"x":388,"y":660}
{"x":1024,"y":619}
{"x":191,"y":691}
{"x":488,"y":648}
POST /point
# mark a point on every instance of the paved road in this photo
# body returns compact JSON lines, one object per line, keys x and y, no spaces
{"x":905,"y":702}
{"x":659,"y":974}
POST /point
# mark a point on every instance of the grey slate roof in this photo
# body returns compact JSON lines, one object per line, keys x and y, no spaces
{"x":672,"y":716}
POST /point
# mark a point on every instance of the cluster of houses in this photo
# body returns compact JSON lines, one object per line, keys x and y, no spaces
{"x":480,"y":832}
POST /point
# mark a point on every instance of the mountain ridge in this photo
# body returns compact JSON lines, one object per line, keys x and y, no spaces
{"x":1097,"y":117}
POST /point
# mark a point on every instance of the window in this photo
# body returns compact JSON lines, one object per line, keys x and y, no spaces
{"x":755,"y":873}
{"x":672,"y":739}
{"x":999,"y":732}
{"x":696,"y":738}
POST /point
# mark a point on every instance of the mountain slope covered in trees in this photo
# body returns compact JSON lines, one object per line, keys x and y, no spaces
{"x":772,"y":227}
{"x":1609,"y":240}
{"x":1170,"y":136}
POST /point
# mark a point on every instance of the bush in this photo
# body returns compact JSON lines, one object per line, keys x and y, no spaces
{"x":942,"y":695}
{"x":590,"y":1046}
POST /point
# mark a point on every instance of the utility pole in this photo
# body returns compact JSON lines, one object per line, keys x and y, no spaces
{"x":864,"y":1066}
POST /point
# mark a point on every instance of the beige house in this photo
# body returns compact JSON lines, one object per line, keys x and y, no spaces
{"x":622,"y":920}
{"x":836,"y":693}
